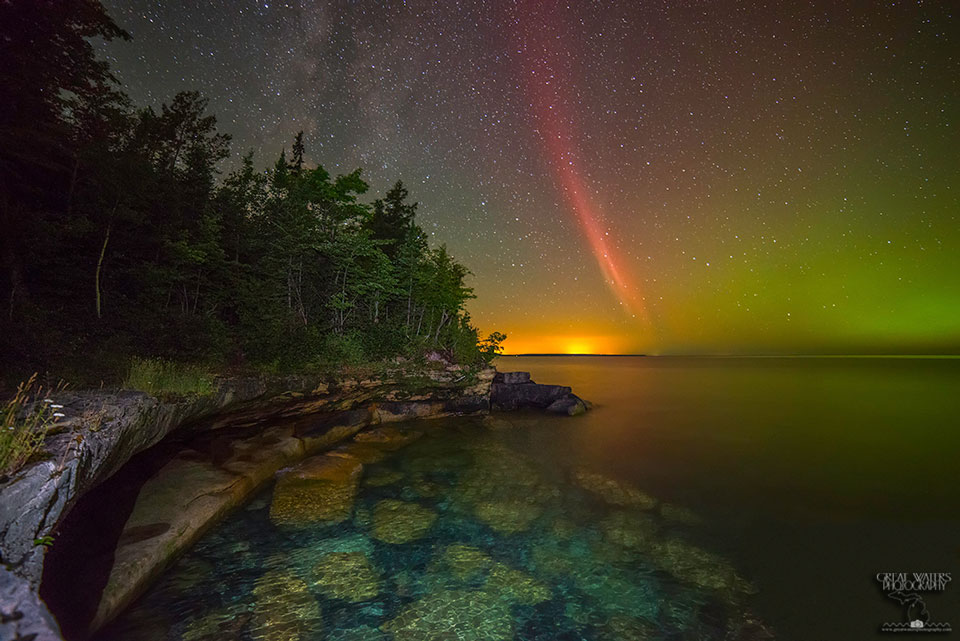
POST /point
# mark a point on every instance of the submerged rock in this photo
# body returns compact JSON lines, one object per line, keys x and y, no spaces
{"x":347,"y":575}
{"x":497,"y":423}
{"x":464,"y":615}
{"x":679,"y":514}
{"x":463,"y":562}
{"x":502,"y":488}
{"x":214,"y":626}
{"x":516,"y":586}
{"x":388,"y":437}
{"x":570,"y":405}
{"x":507,"y":517}
{"x":383,"y":477}
{"x":285,"y":609}
{"x":621,"y":627}
{"x":613,"y":491}
{"x":363,"y":452}
{"x":362,"y":633}
{"x":322,"y":488}
{"x":629,"y":529}
{"x":695,"y":565}
{"x":400,"y":522}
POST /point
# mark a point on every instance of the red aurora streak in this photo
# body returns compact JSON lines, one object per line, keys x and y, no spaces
{"x":542,"y":54}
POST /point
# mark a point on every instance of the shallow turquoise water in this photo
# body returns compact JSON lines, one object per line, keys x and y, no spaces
{"x":701,"y":499}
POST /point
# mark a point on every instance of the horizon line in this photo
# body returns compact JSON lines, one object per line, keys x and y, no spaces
{"x":931,"y":355}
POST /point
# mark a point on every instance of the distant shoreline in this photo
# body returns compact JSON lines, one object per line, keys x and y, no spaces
{"x":932,"y":356}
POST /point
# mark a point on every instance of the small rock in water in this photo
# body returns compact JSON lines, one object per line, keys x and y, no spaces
{"x":347,"y":575}
{"x":612,"y":491}
{"x":400,"y":522}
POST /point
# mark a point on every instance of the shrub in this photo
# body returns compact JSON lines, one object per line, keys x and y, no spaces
{"x":23,"y":426}
{"x":342,"y":349}
{"x":159,"y":377}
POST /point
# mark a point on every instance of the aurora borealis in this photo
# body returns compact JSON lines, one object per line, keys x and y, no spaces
{"x":689,"y":177}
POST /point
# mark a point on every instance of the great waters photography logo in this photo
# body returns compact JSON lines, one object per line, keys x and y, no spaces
{"x":905,"y":589}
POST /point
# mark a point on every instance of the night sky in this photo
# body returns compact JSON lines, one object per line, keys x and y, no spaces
{"x":636,"y":176}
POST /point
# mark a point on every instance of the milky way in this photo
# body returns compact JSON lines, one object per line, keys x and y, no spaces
{"x":623,"y":176}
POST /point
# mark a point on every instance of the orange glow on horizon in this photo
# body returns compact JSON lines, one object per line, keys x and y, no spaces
{"x":559,"y":344}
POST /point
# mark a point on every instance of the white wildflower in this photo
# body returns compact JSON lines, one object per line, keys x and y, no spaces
{"x":58,"y":415}
{"x":57,"y":407}
{"x":47,"y":401}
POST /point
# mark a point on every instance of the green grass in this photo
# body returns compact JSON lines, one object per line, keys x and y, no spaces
{"x":165,"y":378}
{"x":23,"y":425}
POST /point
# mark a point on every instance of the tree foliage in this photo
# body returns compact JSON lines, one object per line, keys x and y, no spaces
{"x":120,"y":237}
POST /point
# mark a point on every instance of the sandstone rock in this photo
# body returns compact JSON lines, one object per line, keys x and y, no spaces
{"x":525,"y":395}
{"x":172,"y":511}
{"x":465,"y":615}
{"x":463,"y":562}
{"x":679,"y":514}
{"x":363,"y":452}
{"x":322,"y":489}
{"x":400,"y":522}
{"x":497,"y":423}
{"x":286,"y":611}
{"x":695,"y":565}
{"x":383,"y":477}
{"x":516,"y":586}
{"x":569,"y":405}
{"x":512,"y":378}
{"x":629,"y":529}
{"x":613,"y":491}
{"x":507,"y":516}
{"x":387,"y":437}
{"x":347,"y":575}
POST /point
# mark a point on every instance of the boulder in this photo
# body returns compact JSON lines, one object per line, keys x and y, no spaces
{"x":470,"y":615}
{"x":512,"y":378}
{"x":515,"y":390}
{"x":570,"y":405}
{"x":320,"y":489}
{"x":399,"y":521}
{"x":613,"y":491}
{"x":347,"y":575}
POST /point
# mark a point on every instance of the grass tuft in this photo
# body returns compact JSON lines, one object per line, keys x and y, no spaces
{"x":24,"y":424}
{"x":161,"y":378}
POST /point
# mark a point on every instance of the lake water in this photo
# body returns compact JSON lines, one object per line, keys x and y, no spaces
{"x":714,"y":498}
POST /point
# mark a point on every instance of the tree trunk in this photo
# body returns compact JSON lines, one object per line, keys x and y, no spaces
{"x":96,"y":276}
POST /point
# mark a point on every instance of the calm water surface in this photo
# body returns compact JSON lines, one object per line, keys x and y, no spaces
{"x":700,"y":499}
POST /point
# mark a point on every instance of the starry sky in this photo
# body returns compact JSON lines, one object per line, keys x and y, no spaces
{"x":620,"y":176}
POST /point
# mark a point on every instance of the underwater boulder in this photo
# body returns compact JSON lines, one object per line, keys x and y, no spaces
{"x":322,"y":488}
{"x":401,"y":521}
{"x":695,"y":565}
{"x":516,"y":586}
{"x":465,"y":615}
{"x":388,"y":437}
{"x":463,"y":562}
{"x":347,"y":575}
{"x":365,"y":452}
{"x":507,"y":516}
{"x":383,"y":477}
{"x":630,"y":529}
{"x":679,"y":514}
{"x":613,"y":491}
{"x":285,"y":609}
{"x":568,"y":405}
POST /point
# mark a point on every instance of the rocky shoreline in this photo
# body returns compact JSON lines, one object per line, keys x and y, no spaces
{"x":104,"y":430}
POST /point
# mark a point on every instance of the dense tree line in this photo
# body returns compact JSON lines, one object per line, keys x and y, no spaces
{"x":118,"y":235}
